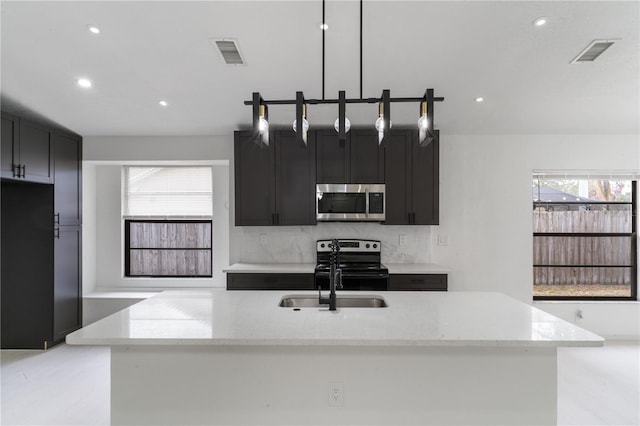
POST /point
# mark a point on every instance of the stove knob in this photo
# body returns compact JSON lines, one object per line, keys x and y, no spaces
{"x":375,"y":246}
{"x":322,"y":245}
{"x":368,"y":245}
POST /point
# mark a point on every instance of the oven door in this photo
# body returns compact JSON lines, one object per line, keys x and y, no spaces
{"x":378,"y":281}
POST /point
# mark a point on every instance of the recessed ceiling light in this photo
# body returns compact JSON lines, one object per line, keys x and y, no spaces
{"x":538,"y":22}
{"x":84,"y":82}
{"x":163,"y":103}
{"x":93,"y":29}
{"x":479,"y":99}
{"x":324,"y":27}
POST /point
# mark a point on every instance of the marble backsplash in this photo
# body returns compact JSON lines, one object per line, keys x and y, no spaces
{"x":296,"y":244}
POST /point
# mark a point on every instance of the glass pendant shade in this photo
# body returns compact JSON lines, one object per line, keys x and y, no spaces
{"x":423,"y":122}
{"x":263,"y":125}
{"x":305,"y":125}
{"x":347,"y":125}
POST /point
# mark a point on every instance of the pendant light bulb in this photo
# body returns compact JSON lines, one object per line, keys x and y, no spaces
{"x":263,"y":124}
{"x":380,"y":121}
{"x":423,"y":121}
{"x":347,"y":125}
{"x":305,"y":123}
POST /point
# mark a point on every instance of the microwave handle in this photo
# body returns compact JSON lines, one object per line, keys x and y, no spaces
{"x":366,"y":208}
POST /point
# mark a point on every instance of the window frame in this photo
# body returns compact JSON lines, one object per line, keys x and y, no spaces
{"x":634,"y":248}
{"x":127,"y":246}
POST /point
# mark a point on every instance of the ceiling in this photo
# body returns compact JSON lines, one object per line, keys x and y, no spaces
{"x":148,"y":51}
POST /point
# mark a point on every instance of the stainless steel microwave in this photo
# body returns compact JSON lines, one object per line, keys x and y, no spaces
{"x":350,"y":202}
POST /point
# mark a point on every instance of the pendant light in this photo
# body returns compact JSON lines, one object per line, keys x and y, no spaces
{"x":260,"y":118}
{"x":384,"y":117}
{"x":423,"y":121}
{"x":301,"y":117}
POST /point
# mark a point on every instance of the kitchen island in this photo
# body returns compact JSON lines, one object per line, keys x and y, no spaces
{"x":218,"y":357}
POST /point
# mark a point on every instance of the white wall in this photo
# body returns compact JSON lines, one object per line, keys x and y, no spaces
{"x":106,"y":155}
{"x":485,"y":212}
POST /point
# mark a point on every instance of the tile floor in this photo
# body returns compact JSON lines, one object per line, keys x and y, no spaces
{"x":69,"y":385}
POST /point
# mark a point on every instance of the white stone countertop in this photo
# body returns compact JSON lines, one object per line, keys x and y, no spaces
{"x":231,"y":318}
{"x":309,"y":268}
{"x":415,"y":268}
{"x":271,"y":268}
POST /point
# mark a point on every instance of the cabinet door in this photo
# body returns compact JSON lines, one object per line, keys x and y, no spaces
{"x":36,"y":152}
{"x":333,"y":157}
{"x":243,"y":281}
{"x":68,"y":179}
{"x":418,"y":282}
{"x":425,"y":179}
{"x":27,"y":265}
{"x":254,"y":180}
{"x":295,"y":179}
{"x":67,"y":283}
{"x":367,"y":157}
{"x":397,"y":158}
{"x":9,"y":142}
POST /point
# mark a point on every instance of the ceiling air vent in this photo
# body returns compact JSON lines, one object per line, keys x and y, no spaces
{"x":228,"y":48}
{"x":592,"y":51}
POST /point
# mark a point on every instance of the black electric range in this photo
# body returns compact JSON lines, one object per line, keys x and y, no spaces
{"x":359,"y":261}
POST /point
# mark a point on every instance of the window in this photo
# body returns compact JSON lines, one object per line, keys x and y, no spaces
{"x":584,"y":238}
{"x":167,"y":221}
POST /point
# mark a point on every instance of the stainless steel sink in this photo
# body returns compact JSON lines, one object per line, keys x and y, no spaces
{"x":344,"y":301}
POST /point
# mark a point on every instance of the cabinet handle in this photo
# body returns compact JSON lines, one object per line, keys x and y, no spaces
{"x":16,"y":170}
{"x":24,"y":170}
{"x":56,"y":219}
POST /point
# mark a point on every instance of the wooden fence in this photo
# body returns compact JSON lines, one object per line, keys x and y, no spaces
{"x":567,"y":254}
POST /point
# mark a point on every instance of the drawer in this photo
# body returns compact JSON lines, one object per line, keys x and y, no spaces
{"x":237,"y":281}
{"x":416,"y":282}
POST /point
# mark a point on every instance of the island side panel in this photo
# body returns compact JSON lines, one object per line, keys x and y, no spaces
{"x":290,"y":384}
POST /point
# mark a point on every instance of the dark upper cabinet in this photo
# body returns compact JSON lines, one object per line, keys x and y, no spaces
{"x":295,"y":170}
{"x":333,"y":157}
{"x":36,"y":152}
{"x":67,"y":281}
{"x":254,"y":165}
{"x":358,"y":159}
{"x":9,"y":141}
{"x":67,"y":179}
{"x":275,"y":184}
{"x":412,"y":179}
{"x":367,"y":157}
{"x":27,"y":150}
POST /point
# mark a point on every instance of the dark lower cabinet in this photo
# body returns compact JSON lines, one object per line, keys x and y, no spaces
{"x":412,"y":180}
{"x":27,"y":273}
{"x":248,"y":281}
{"x":275,"y":184}
{"x":67,"y":281}
{"x":416,"y":282}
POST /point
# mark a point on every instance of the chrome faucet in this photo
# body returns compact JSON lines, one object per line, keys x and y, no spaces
{"x":335,"y":277}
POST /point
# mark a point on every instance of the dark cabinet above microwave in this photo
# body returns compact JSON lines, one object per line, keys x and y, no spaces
{"x":358,"y":159}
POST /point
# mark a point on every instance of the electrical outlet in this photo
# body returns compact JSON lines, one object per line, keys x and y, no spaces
{"x":443,"y":240}
{"x":336,"y":394}
{"x":263,"y":239}
{"x":402,"y":240}
{"x":579,"y":315}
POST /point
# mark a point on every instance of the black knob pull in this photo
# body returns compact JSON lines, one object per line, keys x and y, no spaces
{"x":368,"y":245}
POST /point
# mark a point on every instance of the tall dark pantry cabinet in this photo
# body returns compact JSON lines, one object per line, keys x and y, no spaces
{"x":41,"y":233}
